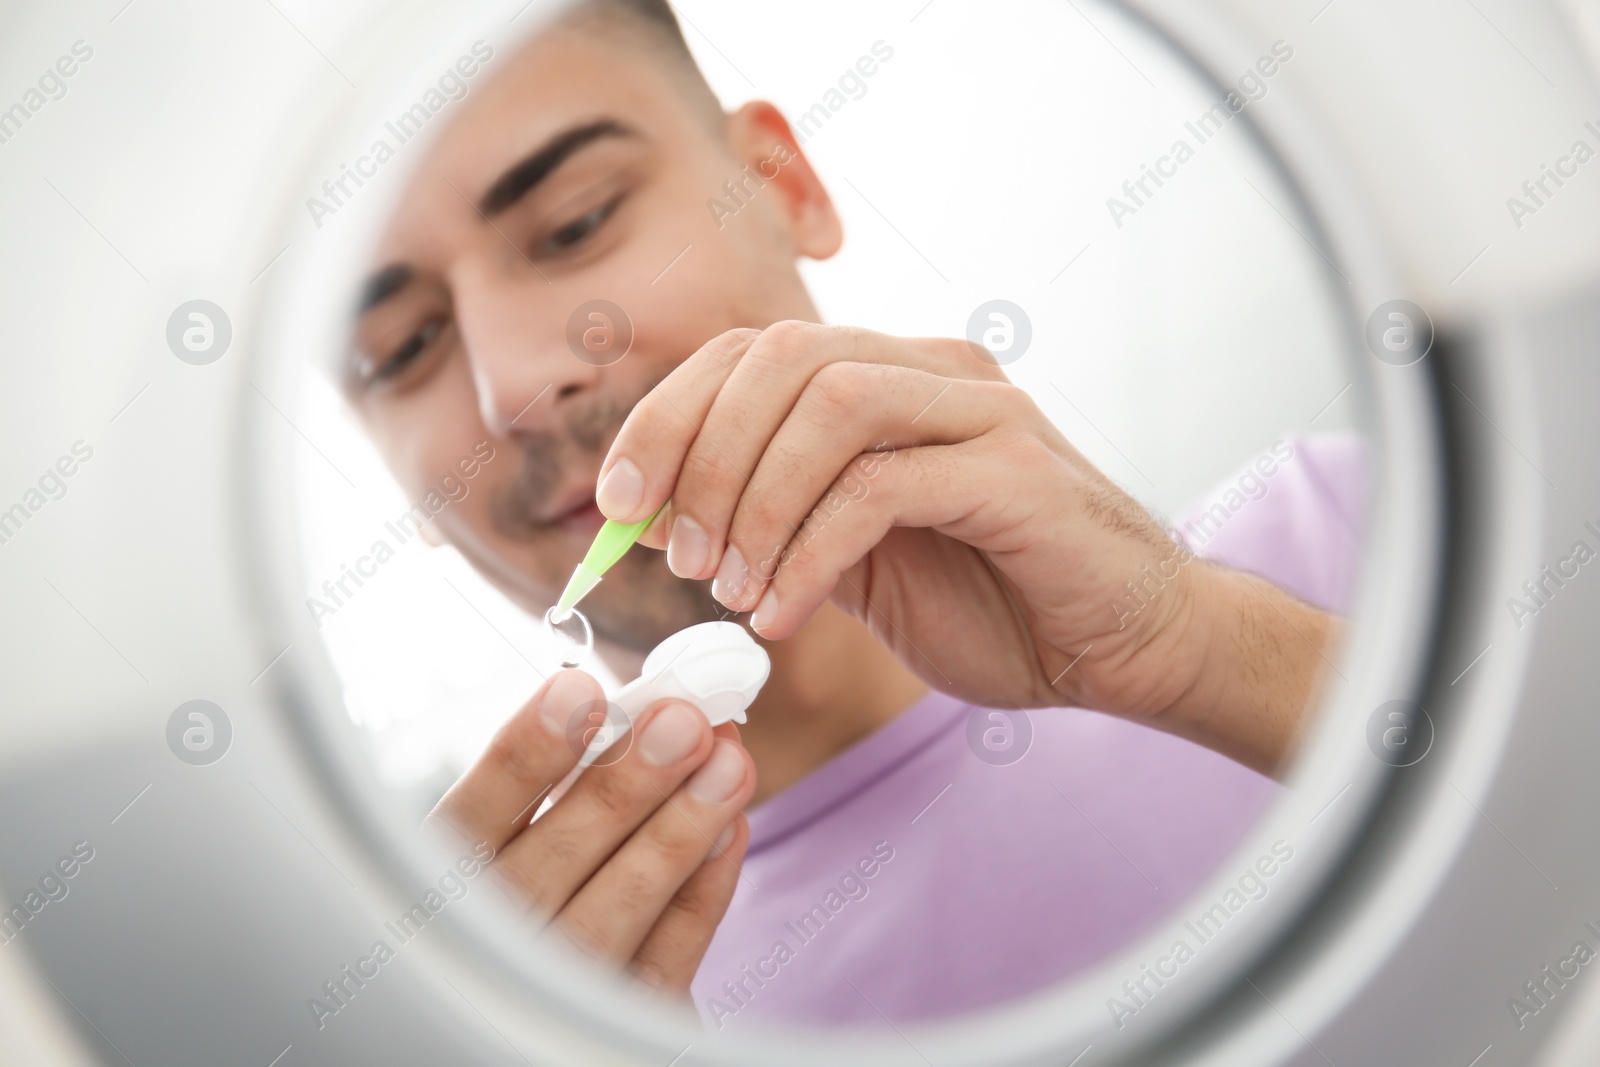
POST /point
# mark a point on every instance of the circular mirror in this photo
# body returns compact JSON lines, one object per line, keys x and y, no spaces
{"x":528,"y":242}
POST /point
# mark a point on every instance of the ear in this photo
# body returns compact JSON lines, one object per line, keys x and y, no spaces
{"x":763,"y":142}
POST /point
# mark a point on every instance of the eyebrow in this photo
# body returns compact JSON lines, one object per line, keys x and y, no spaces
{"x":517,"y":182}
{"x":382,"y":285}
{"x":523,"y":177}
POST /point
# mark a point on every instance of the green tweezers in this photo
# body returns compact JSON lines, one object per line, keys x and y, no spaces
{"x":610,"y":545}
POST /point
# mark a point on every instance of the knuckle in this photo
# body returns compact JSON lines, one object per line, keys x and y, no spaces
{"x":767,"y":365}
{"x":727,"y":349}
{"x":764,"y":528}
{"x":650,"y":971}
{"x":636,"y":887}
{"x":582,"y":932}
{"x":782,"y":348}
{"x":838,"y":390}
{"x":786,"y":333}
{"x":972,"y":356}
{"x":612,"y":792}
{"x":651,"y":410}
{"x":675,"y":848}
{"x":1009,"y":397}
{"x":762,"y":549}
{"x":766,"y":564}
{"x":698,"y":904}
{"x":561,"y":853}
{"x":703,"y":478}
{"x":1020,"y":449}
{"x":703,"y":463}
{"x":801,"y":552}
{"x":730,"y":345}
{"x":759,"y":517}
{"x":514,"y":755}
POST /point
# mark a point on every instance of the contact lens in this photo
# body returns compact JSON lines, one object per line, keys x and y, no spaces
{"x":572,"y":637}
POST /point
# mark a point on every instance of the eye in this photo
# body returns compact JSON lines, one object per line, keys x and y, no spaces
{"x":574,"y":233}
{"x":411,"y":350}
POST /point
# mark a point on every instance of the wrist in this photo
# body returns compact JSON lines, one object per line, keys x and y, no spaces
{"x":1258,"y":656}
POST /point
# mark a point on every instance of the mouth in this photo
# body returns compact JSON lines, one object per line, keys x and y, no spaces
{"x":576,"y":514}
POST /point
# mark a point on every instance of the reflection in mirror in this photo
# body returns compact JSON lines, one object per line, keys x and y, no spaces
{"x":989,"y":376}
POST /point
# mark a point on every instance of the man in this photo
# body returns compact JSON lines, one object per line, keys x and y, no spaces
{"x":892,"y":514}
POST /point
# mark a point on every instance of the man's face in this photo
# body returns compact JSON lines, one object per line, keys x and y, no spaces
{"x":583,"y":171}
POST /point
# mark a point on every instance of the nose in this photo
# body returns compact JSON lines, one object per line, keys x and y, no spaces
{"x":514,"y":332}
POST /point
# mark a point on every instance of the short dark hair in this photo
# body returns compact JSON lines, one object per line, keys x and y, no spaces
{"x":658,"y":12}
{"x":658,"y":20}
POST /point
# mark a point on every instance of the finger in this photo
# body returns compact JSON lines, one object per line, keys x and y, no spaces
{"x":727,"y":729}
{"x":919,"y":490}
{"x":528,"y":755}
{"x":828,"y":452}
{"x":656,"y":534}
{"x":611,"y":915}
{"x":761,"y":390}
{"x":557,"y":854}
{"x":667,"y":419}
{"x":672,"y":950}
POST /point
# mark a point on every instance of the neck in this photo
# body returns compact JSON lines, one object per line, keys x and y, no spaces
{"x":832,"y":684}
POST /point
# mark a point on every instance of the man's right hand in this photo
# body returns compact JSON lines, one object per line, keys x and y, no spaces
{"x":636,"y":862}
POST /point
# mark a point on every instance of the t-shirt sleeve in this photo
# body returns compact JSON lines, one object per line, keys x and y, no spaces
{"x":1294,"y":515}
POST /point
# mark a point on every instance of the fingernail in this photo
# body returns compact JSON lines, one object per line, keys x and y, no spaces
{"x":724,"y":839}
{"x":671,"y":735}
{"x":569,"y":691}
{"x":766,"y":611}
{"x":619,"y":494}
{"x":688,"y":547}
{"x":721,"y":776}
{"x":732,"y":575}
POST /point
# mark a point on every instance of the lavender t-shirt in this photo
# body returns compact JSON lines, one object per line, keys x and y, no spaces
{"x":910,"y":878}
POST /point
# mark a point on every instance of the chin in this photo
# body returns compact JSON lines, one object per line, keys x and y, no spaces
{"x":641,"y":603}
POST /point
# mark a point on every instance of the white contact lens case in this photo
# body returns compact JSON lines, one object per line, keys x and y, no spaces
{"x":716,"y":666}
